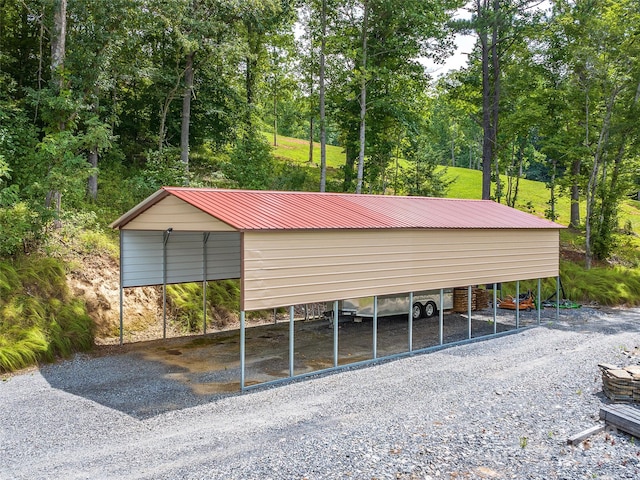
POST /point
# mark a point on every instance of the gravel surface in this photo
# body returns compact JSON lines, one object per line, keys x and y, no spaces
{"x":501,"y":408}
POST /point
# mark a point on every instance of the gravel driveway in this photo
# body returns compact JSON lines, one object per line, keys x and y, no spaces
{"x":501,"y":408}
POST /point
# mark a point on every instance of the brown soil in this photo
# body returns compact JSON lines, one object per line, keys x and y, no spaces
{"x":96,"y":279}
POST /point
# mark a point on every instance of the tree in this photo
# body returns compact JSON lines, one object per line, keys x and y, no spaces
{"x":498,"y":24}
{"x":378,"y":43}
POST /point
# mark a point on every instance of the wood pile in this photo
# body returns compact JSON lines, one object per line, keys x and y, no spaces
{"x":622,"y":417}
{"x":479,"y":299}
{"x":621,"y":384}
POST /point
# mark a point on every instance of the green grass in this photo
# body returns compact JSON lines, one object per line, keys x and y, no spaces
{"x":223,"y":300}
{"x":533,"y":197}
{"x":39,"y":320}
{"x":603,"y":285}
{"x":297,"y":151}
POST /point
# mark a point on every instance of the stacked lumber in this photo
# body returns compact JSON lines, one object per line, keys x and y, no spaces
{"x":479,"y":299}
{"x":621,"y":384}
{"x":622,"y":417}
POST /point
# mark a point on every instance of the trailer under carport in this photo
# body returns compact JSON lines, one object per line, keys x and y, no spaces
{"x":292,"y":248}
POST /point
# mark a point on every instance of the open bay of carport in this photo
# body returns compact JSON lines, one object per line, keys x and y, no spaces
{"x":188,"y":371}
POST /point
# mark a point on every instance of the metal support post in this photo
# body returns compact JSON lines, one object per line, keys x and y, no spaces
{"x":242,"y":352}
{"x":205,"y":239}
{"x":469,"y":293}
{"x":441,"y":317}
{"x":291,"y":341}
{"x":335,"y":333}
{"x":538,"y":302}
{"x":411,"y":322}
{"x":375,"y":327}
{"x":165,"y":239}
{"x":121,"y":295}
{"x":557,"y":298}
{"x":495,"y":308}
{"x":517,"y":304}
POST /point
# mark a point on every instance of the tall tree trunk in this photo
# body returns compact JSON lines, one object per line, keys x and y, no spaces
{"x":311,"y":123}
{"x":92,"y":158}
{"x":349,"y":162}
{"x":363,"y":97}
{"x":310,"y":160}
{"x":275,"y":115}
{"x":164,"y":112}
{"x":58,"y":52}
{"x":58,"y":42}
{"x":495,"y":98}
{"x":574,"y":219}
{"x":453,"y":150}
{"x":323,"y":126}
{"x":186,"y":113}
{"x":253,"y":39}
{"x":487,"y":137}
{"x":552,"y":190}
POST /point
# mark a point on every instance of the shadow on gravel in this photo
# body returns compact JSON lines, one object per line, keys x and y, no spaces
{"x":130,"y":383}
{"x":595,"y":320}
{"x":150,"y":378}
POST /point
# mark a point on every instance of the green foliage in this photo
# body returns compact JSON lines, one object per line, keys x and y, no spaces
{"x":603,"y":285}
{"x":421,"y":176}
{"x":38,"y":318}
{"x":293,"y":177}
{"x":607,"y":286}
{"x":251,"y":163}
{"x":223,"y":300}
{"x":18,"y":225}
{"x":161,"y":169}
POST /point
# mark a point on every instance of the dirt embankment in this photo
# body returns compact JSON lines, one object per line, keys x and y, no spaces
{"x":96,"y":279}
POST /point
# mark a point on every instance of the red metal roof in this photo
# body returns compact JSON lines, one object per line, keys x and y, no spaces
{"x":275,"y":210}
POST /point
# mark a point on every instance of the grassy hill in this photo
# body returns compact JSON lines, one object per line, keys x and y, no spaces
{"x":466,"y":183}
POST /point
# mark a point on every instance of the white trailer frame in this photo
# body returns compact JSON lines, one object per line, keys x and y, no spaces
{"x":426,"y":304}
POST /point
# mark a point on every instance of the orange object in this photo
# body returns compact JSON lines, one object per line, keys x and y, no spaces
{"x":527,"y":302}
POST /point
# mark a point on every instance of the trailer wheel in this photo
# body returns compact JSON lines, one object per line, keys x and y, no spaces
{"x":417,"y":311}
{"x":430,"y":309}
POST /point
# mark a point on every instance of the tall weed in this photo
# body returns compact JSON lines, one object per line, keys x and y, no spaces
{"x":38,"y":318}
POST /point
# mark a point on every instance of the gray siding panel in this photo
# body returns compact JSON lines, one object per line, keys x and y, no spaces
{"x":142,"y":254}
{"x":223,"y":255}
{"x":141,"y":258}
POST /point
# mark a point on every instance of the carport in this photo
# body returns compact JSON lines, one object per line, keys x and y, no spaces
{"x":293,"y":248}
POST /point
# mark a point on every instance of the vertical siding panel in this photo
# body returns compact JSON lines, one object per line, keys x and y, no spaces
{"x":142,"y":258}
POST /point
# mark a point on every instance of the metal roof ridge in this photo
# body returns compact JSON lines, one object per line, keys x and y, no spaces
{"x":300,"y":192}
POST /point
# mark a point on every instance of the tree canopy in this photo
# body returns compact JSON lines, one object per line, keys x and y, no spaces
{"x":102,"y":102}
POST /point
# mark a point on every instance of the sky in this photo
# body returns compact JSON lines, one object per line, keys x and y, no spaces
{"x":464,"y":45}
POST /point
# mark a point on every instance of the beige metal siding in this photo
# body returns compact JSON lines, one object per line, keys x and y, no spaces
{"x":171,"y":212}
{"x":288,"y":268}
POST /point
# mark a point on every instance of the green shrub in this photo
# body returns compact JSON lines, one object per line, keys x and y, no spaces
{"x":38,"y":318}
{"x":18,"y":223}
